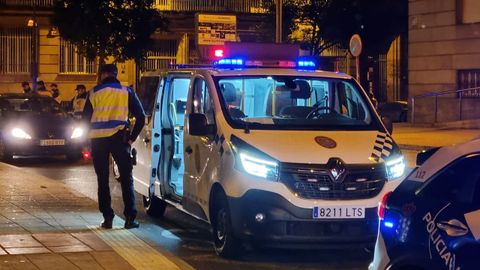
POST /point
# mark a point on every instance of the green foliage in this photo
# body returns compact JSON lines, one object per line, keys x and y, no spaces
{"x":117,"y":28}
{"x":324,"y":23}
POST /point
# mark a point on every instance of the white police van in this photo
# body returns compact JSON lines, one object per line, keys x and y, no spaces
{"x":283,"y":155}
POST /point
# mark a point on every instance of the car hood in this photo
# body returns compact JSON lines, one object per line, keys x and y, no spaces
{"x":353,"y":147}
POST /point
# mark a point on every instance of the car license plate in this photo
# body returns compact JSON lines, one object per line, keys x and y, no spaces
{"x":52,"y":142}
{"x":338,"y":212}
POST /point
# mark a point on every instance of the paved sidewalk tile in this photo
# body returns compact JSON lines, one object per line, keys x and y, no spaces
{"x":16,"y":262}
{"x":56,"y":239}
{"x":110,"y":260}
{"x":92,"y":240}
{"x":83,"y":261}
{"x":51,"y":262}
{"x":74,"y":248}
{"x":18,"y":241}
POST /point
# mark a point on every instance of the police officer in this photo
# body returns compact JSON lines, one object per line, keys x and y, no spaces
{"x":78,"y":102}
{"x":108,"y":106}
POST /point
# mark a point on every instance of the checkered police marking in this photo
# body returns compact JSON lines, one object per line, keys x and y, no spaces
{"x":383,"y":147}
{"x":219,"y":139}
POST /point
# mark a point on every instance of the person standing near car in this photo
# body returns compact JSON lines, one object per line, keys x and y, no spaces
{"x":54,"y":90}
{"x":42,"y":90}
{"x":26,"y":87}
{"x":78,"y":102}
{"x":107,"y":109}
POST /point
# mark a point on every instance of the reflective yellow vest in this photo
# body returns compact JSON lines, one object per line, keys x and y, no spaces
{"x":79,"y":104}
{"x":110,"y":110}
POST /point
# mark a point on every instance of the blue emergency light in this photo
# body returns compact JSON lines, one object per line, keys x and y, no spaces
{"x":306,"y":64}
{"x":230,"y":63}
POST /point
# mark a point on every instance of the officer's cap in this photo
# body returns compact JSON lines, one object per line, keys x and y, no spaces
{"x":80,"y":86}
{"x":109,"y":68}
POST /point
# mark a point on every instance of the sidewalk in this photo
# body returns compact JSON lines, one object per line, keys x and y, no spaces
{"x":45,"y":226}
{"x":420,"y":138}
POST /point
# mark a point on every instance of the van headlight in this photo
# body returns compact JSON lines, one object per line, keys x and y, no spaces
{"x":395,"y":167}
{"x":20,"y":134}
{"x":77,"y":133}
{"x":260,"y":167}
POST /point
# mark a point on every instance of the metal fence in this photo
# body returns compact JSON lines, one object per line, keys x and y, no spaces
{"x":15,"y":50}
{"x":27,"y":3}
{"x":71,"y":62}
{"x":242,"y":6}
{"x":445,"y":106}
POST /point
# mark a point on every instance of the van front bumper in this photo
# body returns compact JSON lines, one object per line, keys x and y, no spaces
{"x":286,"y":225}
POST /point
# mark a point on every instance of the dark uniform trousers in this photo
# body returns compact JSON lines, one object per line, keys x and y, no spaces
{"x":120,"y":150}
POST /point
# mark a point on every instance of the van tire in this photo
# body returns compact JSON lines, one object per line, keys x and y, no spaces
{"x":225,"y":243}
{"x":154,"y":206}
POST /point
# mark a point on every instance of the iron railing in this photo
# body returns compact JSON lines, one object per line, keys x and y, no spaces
{"x":460,"y":95}
{"x":27,"y":3}
{"x":241,"y":6}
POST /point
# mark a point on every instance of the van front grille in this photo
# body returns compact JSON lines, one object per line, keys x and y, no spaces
{"x":316,"y":182}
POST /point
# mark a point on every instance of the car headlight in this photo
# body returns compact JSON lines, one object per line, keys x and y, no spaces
{"x":77,"y":133}
{"x":20,"y":134}
{"x":395,"y":167}
{"x":260,"y":167}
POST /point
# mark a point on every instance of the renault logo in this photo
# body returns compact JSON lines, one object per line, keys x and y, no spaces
{"x":336,"y":168}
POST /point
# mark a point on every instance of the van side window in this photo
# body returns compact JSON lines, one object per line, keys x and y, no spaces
{"x":202,"y":103}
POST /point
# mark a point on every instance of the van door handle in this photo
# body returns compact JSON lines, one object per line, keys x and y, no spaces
{"x":188,"y":150}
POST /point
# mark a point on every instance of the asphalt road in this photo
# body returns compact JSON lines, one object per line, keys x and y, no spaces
{"x":187,"y":238}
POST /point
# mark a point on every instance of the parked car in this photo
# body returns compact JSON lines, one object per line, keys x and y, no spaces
{"x":432,"y":220}
{"x":32,"y":125}
{"x":396,"y":111}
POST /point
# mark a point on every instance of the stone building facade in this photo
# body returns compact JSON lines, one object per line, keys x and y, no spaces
{"x":444,"y":55}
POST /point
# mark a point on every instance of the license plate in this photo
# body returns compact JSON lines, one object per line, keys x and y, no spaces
{"x":338,"y":212}
{"x":52,"y":142}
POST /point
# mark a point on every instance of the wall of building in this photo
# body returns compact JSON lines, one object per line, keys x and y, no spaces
{"x":443,"y":39}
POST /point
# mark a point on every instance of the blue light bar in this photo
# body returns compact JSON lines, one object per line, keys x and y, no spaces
{"x":229,"y":62}
{"x":306,"y":64}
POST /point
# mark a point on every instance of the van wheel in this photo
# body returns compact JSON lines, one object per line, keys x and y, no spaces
{"x":154,"y":206}
{"x":226,"y":244}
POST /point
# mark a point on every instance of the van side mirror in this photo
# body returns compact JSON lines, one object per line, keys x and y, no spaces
{"x":388,"y":124}
{"x":198,"y":126}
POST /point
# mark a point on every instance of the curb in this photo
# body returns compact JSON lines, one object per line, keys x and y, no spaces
{"x":411,"y":147}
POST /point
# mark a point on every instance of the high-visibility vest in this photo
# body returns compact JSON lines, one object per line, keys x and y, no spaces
{"x":79,"y":104}
{"x":110,"y":110}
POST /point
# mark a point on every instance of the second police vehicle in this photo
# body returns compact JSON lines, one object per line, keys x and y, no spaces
{"x":432,"y":220}
{"x":279,"y":155}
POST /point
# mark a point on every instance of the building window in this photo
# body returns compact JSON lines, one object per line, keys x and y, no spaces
{"x":71,"y":62}
{"x":162,"y":56}
{"x":469,"y":79}
{"x":15,"y":50}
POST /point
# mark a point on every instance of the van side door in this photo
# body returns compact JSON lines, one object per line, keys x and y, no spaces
{"x":201,"y":155}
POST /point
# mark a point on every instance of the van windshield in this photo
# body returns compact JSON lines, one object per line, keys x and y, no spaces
{"x":292,"y":102}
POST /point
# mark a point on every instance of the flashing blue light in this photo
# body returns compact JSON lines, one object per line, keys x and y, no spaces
{"x":306,"y":64}
{"x":230,"y":62}
{"x":388,"y":224}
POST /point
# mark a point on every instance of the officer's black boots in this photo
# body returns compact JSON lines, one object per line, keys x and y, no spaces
{"x":130,"y":223}
{"x":107,"y":222}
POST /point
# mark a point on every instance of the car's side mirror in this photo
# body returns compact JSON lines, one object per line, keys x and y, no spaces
{"x":388,"y":124}
{"x":198,"y":125}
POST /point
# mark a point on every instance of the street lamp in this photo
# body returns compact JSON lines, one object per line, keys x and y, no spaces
{"x":32,"y":22}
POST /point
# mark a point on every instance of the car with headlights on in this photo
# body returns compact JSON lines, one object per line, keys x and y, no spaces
{"x":34,"y":125}
{"x":432,"y":220}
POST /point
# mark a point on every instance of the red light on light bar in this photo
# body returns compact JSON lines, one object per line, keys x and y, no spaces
{"x":218,"y":53}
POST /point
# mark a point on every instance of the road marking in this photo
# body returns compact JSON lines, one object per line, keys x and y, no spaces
{"x":135,"y":251}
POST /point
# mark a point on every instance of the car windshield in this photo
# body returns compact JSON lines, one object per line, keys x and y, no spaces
{"x":30,"y":105}
{"x":292,"y":102}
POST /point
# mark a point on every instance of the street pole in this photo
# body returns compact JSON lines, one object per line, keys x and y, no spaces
{"x":34,"y":71}
{"x":278,"y":21}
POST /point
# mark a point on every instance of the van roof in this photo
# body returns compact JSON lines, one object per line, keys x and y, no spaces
{"x":265,"y":71}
